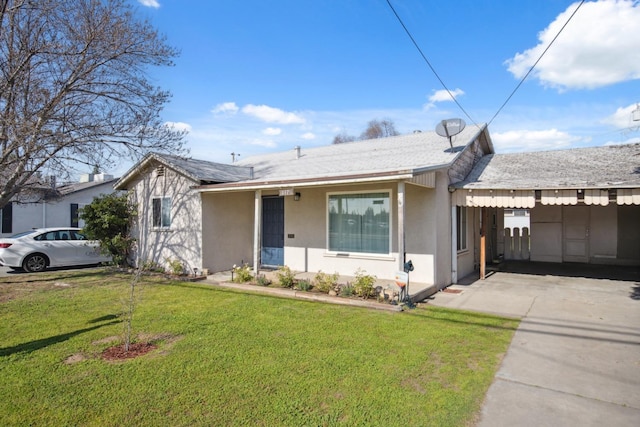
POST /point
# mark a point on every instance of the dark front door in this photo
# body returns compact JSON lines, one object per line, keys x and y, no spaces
{"x":272,"y":231}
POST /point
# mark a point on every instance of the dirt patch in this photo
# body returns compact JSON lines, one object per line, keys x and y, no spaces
{"x":75,"y":358}
{"x":136,"y":349}
{"x":452,"y":291}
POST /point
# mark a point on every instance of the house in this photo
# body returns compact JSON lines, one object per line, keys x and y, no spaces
{"x":583,"y":204}
{"x":370,"y":205}
{"x":52,"y":205}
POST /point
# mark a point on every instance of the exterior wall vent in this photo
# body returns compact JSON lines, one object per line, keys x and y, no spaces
{"x":160,"y":171}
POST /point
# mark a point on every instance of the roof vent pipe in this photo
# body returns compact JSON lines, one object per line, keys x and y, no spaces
{"x":297,"y":148}
{"x":251,"y":172}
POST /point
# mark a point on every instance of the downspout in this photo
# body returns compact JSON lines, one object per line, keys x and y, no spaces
{"x":44,"y":214}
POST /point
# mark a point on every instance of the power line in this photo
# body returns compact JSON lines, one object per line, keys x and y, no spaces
{"x":534,"y":65}
{"x":429,"y":63}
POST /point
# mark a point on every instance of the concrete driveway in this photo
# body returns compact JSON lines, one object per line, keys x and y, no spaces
{"x":575,"y":359}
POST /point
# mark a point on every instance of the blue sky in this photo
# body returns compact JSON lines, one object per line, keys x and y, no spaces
{"x":256,"y":76}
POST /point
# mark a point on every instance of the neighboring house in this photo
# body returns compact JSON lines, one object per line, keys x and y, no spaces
{"x":368,"y":205}
{"x":584,"y":204}
{"x":54,"y":205}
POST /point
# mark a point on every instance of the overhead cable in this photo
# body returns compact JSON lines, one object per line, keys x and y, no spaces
{"x":534,"y":65}
{"x":429,"y":63}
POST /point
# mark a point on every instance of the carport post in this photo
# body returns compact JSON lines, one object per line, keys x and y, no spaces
{"x":257,"y":219}
{"x":483,"y":241}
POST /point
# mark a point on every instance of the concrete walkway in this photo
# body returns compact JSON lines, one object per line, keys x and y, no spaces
{"x":575,"y":359}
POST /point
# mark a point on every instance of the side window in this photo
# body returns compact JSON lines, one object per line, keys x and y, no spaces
{"x":161,"y":211}
{"x":6,"y":218}
{"x":51,"y":235}
{"x":77,"y":236}
{"x":74,"y":215}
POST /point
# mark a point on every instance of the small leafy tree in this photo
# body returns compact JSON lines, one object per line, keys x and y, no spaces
{"x":108,"y":219}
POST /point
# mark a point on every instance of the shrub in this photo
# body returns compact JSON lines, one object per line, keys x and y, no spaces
{"x":325,"y":282}
{"x":346,"y":290}
{"x":262,"y":280}
{"x":304,"y":285}
{"x":285,"y":277}
{"x":152,"y":266}
{"x":242,"y":274}
{"x":363,"y":285}
{"x":175,"y":266}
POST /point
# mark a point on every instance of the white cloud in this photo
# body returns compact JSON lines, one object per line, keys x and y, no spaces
{"x":150,"y":3}
{"x":599,"y":47}
{"x":179,"y":126}
{"x":308,"y":136}
{"x":272,"y":115}
{"x":623,"y":117}
{"x":443,"y":96}
{"x":532,"y":140}
{"x":272,"y":131}
{"x":225,"y":108}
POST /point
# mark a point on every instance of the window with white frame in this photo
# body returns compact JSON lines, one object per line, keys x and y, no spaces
{"x":359,"y":222}
{"x":161,"y":212}
{"x":461,"y":228}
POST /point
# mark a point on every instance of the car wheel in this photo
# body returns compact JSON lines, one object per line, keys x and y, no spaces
{"x":34,"y":263}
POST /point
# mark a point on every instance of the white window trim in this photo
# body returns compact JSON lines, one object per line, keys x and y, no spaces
{"x":466,"y":229}
{"x":162,"y":227}
{"x":360,"y":255}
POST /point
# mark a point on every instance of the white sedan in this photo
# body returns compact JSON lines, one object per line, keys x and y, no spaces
{"x":38,"y":249}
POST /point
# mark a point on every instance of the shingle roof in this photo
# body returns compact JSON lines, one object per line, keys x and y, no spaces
{"x":200,"y":171}
{"x":412,"y":152}
{"x":594,"y":167}
{"x":203,"y":170}
{"x":73,"y":187}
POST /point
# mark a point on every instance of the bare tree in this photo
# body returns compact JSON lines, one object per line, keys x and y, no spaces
{"x":343,"y":137}
{"x":74,"y":88}
{"x":375,"y":129}
{"x":379,"y":129}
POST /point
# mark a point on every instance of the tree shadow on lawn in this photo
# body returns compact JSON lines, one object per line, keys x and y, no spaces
{"x":35,"y":345}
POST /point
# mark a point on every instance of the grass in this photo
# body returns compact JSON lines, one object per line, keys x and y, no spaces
{"x":227,"y":358}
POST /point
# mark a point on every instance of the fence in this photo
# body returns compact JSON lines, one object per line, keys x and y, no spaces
{"x":518,"y":245}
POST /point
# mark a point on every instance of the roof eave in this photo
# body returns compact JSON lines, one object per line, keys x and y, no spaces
{"x":309,"y":182}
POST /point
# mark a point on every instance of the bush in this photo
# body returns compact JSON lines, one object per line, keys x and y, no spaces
{"x":152,"y":266}
{"x":242,"y":274}
{"x":285,"y":277}
{"x":346,"y":290}
{"x":262,"y":280}
{"x":363,"y":285}
{"x":175,"y":266}
{"x":304,"y":285}
{"x":325,"y":282}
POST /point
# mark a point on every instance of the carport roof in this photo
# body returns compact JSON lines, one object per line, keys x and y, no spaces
{"x":615,"y":166}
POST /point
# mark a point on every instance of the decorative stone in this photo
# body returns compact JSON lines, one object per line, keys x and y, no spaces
{"x":333,"y":293}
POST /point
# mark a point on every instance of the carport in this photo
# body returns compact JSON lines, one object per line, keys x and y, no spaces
{"x":584,"y":206}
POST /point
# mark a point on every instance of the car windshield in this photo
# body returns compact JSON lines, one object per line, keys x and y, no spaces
{"x":24,"y":233}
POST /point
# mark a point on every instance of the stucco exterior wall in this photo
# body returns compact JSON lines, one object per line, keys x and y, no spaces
{"x":182,"y":240}
{"x":227,"y":230}
{"x":306,"y":234}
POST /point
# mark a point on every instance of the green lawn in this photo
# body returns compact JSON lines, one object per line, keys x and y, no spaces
{"x":227,"y":358}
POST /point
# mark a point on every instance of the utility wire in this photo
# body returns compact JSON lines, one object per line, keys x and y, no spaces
{"x":429,"y":63}
{"x":534,"y":65}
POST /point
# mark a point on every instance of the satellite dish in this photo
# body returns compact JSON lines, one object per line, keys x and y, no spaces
{"x":449,"y":128}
